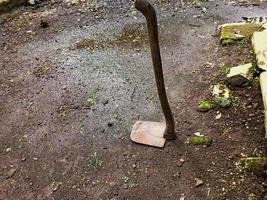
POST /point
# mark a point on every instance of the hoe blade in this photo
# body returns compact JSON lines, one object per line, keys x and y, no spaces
{"x":149,"y":133}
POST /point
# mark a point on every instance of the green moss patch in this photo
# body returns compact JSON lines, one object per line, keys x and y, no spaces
{"x":258,"y":165}
{"x":202,"y":140}
{"x":239,"y":31}
{"x":204,"y":106}
{"x":222,"y":101}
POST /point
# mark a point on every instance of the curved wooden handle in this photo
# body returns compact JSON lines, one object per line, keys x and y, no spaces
{"x":150,"y":14}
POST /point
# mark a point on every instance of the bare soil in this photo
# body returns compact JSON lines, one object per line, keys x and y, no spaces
{"x":70,"y":93}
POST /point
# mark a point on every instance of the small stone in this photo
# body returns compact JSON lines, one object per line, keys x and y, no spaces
{"x":199,"y":182}
{"x":43,"y":24}
{"x":180,"y":162}
{"x":110,"y":124}
{"x":221,"y":95}
{"x":32,"y":2}
{"x":23,"y":159}
{"x":8,"y":149}
{"x":55,"y":185}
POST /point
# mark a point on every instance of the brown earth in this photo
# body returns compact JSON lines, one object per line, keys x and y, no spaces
{"x":71,"y":92}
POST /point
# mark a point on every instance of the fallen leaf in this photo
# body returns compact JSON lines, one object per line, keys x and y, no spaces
{"x":218,"y":116}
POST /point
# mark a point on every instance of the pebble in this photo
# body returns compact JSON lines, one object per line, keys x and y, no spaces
{"x":43,"y":24}
{"x":110,"y":124}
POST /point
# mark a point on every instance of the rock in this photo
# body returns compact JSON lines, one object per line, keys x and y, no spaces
{"x":263,"y":83}
{"x":240,"y":75}
{"x":199,"y":182}
{"x":55,"y":185}
{"x":8,"y":149}
{"x":221,"y":95}
{"x":43,"y":24}
{"x":31,"y":2}
{"x":258,"y":165}
{"x":180,"y":162}
{"x":203,"y":140}
{"x":230,"y":33}
{"x":204,"y":106}
{"x":110,"y":124}
{"x":259,"y":42}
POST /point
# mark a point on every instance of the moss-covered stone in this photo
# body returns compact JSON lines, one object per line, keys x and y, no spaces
{"x":204,"y":106}
{"x":230,"y":33}
{"x":258,"y":165}
{"x":202,"y":140}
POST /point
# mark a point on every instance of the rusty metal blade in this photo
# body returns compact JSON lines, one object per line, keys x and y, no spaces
{"x":149,"y":133}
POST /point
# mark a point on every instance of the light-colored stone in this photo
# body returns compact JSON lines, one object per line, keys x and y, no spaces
{"x":221,"y":96}
{"x":31,"y":2}
{"x":221,"y":90}
{"x":240,"y":75}
{"x":263,"y":83}
{"x":259,"y":42}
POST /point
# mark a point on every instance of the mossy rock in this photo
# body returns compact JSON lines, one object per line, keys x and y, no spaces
{"x":202,"y":140}
{"x":204,"y":106}
{"x":258,"y":165}
{"x":231,"y":33}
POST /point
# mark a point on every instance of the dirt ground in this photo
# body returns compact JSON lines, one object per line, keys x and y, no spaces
{"x":70,"y":93}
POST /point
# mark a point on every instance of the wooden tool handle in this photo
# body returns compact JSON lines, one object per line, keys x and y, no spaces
{"x":150,"y":14}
